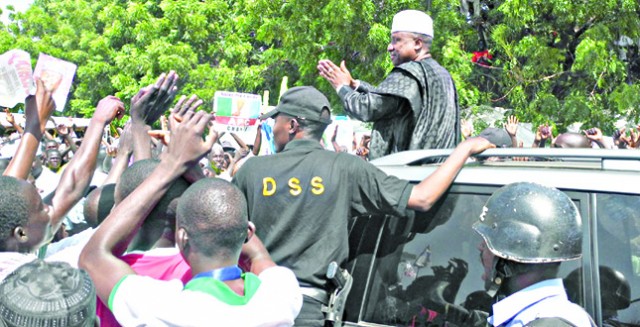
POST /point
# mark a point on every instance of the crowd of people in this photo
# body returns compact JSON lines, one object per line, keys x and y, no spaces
{"x":175,"y":227}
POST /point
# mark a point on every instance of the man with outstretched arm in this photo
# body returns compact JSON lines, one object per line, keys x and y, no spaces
{"x":211,"y":226}
{"x":300,"y":199}
{"x":30,"y":222}
{"x":416,"y":106}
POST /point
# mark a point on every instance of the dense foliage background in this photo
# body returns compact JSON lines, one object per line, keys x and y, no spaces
{"x":553,"y":61}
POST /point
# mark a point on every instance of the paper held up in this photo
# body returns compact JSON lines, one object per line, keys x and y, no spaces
{"x":16,"y":78}
{"x":57,"y":75}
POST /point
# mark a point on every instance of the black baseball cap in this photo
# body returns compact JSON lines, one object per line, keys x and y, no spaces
{"x":302,"y":102}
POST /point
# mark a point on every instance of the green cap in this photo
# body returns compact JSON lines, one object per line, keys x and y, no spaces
{"x":302,"y":102}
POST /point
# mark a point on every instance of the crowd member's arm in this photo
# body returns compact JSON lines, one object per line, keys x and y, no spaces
{"x":254,"y":257}
{"x":146,"y":107}
{"x":595,"y":135}
{"x":357,"y":97}
{"x":63,"y":131}
{"x":634,"y":138}
{"x":619,"y":140}
{"x":38,"y":109}
{"x":466,"y":128}
{"x":192,"y":175}
{"x":334,"y":140}
{"x":363,"y":150}
{"x":79,"y":171}
{"x":114,"y":234}
{"x":511,"y":126}
{"x":48,"y":136}
{"x":542,"y":135}
{"x":123,"y":153}
{"x":257,"y":142}
{"x":430,"y":189}
{"x":12,"y":120}
{"x":244,"y":148}
{"x":354,"y":143}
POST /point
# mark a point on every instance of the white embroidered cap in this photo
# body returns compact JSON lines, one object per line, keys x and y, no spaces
{"x":414,"y":21}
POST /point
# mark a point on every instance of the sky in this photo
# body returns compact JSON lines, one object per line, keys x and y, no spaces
{"x":19,"y":5}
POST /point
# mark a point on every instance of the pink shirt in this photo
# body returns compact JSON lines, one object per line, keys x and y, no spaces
{"x":160,"y":263}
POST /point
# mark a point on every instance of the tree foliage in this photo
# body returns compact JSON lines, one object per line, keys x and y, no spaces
{"x":553,"y":61}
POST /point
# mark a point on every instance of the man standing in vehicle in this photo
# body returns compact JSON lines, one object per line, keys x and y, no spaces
{"x":416,"y":106}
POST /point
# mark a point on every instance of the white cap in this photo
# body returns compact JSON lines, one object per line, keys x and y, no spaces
{"x":413,"y":21}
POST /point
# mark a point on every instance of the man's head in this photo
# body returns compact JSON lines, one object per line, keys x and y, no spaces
{"x":303,"y":112}
{"x":527,"y":227}
{"x":54,"y":159}
{"x":51,"y":145}
{"x":98,"y":204}
{"x":212,"y":220}
{"x":571,"y":140}
{"x":216,"y":155}
{"x":43,"y":293}
{"x":411,"y":36}
{"x":24,"y":219}
{"x":164,"y":211}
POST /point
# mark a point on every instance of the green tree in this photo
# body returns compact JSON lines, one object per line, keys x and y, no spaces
{"x":554,"y":61}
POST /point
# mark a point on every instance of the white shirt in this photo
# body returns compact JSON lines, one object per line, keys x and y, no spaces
{"x":143,"y":301}
{"x":544,"y":299}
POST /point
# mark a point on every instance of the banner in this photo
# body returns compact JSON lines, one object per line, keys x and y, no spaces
{"x":237,"y":113}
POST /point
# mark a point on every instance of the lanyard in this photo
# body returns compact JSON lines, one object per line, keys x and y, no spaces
{"x":222,"y":274}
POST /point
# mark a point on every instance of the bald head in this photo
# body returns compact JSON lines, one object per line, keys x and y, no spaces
{"x":571,"y":140}
{"x":214,"y":214}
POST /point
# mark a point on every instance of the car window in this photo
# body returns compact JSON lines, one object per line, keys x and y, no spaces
{"x":618,"y":239}
{"x":437,"y":263}
{"x":437,"y":260}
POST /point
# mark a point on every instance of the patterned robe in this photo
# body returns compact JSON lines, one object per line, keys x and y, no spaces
{"x":415,"y":107}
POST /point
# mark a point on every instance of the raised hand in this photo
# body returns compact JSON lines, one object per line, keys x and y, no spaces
{"x":161,"y":135}
{"x":125,"y":142}
{"x":152,"y":101}
{"x":477,"y":144}
{"x":112,"y":151}
{"x":362,"y":152}
{"x":594,"y":134}
{"x":511,"y":125}
{"x":634,"y":139}
{"x":41,"y":106}
{"x":187,"y":147}
{"x":109,"y":108}
{"x":62,"y":129}
{"x":543,"y":132}
{"x":466,"y":128}
{"x":184,"y":105}
{"x":9,"y":116}
{"x":620,"y":139}
{"x":337,"y":76}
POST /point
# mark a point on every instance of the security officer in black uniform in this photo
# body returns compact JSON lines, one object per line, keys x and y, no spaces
{"x":300,"y":199}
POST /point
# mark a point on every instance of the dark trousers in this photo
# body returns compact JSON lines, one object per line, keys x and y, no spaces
{"x":311,"y":314}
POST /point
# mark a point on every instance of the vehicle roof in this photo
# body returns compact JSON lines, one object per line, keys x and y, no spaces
{"x":616,"y":171}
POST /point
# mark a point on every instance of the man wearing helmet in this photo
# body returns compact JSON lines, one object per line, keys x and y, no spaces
{"x":527,"y":231}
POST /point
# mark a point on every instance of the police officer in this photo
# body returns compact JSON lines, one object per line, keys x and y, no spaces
{"x":300,"y":199}
{"x":528,"y":230}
